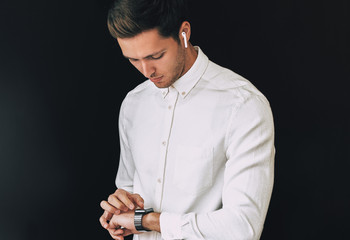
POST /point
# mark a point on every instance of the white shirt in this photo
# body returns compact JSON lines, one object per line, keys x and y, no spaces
{"x":200,"y":152}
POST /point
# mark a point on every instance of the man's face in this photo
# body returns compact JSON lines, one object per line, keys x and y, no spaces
{"x":160,"y":59}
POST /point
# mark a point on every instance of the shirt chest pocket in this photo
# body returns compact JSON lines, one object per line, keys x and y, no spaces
{"x":193,"y":172}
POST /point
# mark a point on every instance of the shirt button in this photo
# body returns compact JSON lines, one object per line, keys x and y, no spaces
{"x":183,"y":93}
{"x":164,"y":143}
{"x":169,"y":107}
{"x":159,"y":180}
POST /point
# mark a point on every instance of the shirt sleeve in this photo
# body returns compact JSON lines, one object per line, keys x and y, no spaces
{"x":248,"y":181}
{"x":126,"y":167}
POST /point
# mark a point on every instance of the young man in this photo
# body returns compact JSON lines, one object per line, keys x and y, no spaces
{"x":197,"y":140}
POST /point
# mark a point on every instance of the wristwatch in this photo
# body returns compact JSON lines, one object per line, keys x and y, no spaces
{"x":139,"y":213}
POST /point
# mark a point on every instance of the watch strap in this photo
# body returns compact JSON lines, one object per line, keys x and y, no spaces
{"x":139,"y":213}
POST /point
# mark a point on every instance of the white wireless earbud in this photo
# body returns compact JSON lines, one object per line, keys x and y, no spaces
{"x":185,"y":39}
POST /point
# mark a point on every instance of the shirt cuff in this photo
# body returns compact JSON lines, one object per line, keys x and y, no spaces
{"x":170,"y":226}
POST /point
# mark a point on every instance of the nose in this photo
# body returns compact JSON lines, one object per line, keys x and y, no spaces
{"x":147,"y":69}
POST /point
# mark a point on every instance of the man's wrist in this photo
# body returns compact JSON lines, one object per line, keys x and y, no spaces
{"x":150,"y":221}
{"x":139,"y":214}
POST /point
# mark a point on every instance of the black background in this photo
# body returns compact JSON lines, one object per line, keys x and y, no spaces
{"x":62,"y":80}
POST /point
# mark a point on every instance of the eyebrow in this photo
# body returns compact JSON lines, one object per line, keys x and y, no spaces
{"x":148,"y":56}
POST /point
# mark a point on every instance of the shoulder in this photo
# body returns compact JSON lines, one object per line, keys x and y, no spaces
{"x":141,"y":91}
{"x":222,"y":80}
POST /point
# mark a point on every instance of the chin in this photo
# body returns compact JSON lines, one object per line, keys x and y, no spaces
{"x":163,"y":84}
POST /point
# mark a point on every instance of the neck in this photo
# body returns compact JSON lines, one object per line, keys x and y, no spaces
{"x":190,"y":57}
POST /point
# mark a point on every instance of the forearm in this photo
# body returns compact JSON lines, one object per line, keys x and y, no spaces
{"x":223,"y":224}
{"x":151,"y":221}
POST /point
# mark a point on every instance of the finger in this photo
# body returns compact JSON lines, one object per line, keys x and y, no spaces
{"x":109,"y":208}
{"x":118,"y":202}
{"x":104,"y":222}
{"x":127,"y":232}
{"x":106,"y":216}
{"x":116,"y":233}
{"x":118,"y":237}
{"x":138,"y":200}
{"x":126,"y":199}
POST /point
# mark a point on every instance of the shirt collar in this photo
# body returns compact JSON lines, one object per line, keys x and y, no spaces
{"x":185,"y":83}
{"x":164,"y":92}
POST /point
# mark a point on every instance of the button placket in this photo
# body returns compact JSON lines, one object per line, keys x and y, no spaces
{"x":171,"y":100}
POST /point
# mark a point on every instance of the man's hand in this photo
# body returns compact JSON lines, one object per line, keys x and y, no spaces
{"x":122,"y":225}
{"x":120,"y":201}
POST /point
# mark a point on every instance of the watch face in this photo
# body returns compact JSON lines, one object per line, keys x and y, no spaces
{"x":148,"y":210}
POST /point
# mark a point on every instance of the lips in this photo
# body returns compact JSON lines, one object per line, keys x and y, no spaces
{"x":156,"y":79}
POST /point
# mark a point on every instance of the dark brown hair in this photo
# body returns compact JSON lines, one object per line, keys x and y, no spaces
{"x":128,"y":18}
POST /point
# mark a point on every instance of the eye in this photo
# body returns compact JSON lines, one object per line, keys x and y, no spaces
{"x":159,"y":56}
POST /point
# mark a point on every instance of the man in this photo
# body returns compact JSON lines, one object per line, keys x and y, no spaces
{"x":197,"y":140}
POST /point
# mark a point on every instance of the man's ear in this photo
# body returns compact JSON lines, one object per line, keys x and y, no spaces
{"x":185,"y":33}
